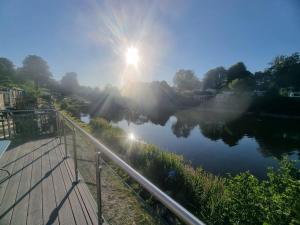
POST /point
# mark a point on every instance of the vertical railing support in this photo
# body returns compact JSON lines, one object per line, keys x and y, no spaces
{"x":3,"y":127}
{"x":98,"y":183}
{"x":57,"y":124}
{"x":65,"y":137}
{"x":60,"y":130}
{"x":8,"y":124}
{"x":75,"y":155}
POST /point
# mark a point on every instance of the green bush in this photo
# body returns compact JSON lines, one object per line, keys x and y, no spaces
{"x":271,"y":201}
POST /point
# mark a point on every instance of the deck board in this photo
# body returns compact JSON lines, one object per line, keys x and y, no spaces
{"x":89,"y":215}
{"x":35,"y":213}
{"x":63,"y":209}
{"x":84,"y":194}
{"x":75,"y":205}
{"x":11,"y":193}
{"x":41,"y":188}
{"x":21,"y":208}
{"x":7,"y":162}
{"x":49,"y":200}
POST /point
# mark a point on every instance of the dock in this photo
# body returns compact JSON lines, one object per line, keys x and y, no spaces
{"x":41,"y":188}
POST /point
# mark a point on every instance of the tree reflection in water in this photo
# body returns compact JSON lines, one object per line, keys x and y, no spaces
{"x":275,"y":137}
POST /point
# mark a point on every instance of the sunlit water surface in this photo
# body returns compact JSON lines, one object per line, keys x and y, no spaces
{"x":244,"y":145}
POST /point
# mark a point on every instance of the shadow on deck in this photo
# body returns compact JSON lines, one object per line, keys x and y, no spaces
{"x":40,"y":189}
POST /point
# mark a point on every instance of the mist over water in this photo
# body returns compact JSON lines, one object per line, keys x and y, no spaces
{"x":219,"y":142}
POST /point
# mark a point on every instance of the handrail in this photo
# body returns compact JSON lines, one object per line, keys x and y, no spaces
{"x":166,"y":200}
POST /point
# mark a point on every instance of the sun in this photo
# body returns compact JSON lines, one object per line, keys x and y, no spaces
{"x":131,"y":137}
{"x":132,"y":56}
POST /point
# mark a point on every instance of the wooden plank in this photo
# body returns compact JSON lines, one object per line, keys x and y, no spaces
{"x":49,"y":201}
{"x":7,"y":162}
{"x":63,"y":209}
{"x":20,"y":211}
{"x":84,"y":193}
{"x":35,"y":215}
{"x":8,"y":201}
{"x":74,"y":202}
{"x":71,"y":178}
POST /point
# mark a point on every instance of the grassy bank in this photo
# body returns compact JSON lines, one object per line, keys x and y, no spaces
{"x":242,"y":199}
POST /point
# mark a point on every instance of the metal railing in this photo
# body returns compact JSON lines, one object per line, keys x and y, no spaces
{"x":63,"y":121}
{"x":13,"y":122}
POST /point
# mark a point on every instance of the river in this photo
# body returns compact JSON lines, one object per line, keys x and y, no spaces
{"x":220,"y":143}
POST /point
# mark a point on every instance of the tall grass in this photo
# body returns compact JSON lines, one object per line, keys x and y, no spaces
{"x":199,"y":191}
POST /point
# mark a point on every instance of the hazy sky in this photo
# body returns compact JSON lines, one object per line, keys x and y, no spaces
{"x":90,"y":37}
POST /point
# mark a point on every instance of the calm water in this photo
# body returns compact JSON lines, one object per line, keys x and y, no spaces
{"x":220,"y":143}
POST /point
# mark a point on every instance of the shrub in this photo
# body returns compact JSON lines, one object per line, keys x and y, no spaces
{"x":272,"y":201}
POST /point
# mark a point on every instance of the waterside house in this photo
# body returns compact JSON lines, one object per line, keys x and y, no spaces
{"x":10,"y":97}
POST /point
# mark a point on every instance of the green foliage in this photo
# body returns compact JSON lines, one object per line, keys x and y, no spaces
{"x":285,"y":70}
{"x":186,"y":80}
{"x":7,"y":72}
{"x":272,"y":201}
{"x":237,"y":71}
{"x":243,"y":199}
{"x":242,"y":84}
{"x":73,"y":105}
{"x":69,"y":83}
{"x":215,"y":78}
{"x":35,"y":68}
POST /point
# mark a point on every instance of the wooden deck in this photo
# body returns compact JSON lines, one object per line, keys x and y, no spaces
{"x":40,"y":189}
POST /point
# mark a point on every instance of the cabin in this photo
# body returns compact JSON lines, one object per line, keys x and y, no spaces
{"x":2,"y":104}
{"x":10,"y":97}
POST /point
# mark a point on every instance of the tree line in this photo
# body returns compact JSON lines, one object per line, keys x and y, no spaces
{"x":283,"y":72}
{"x":35,"y":77}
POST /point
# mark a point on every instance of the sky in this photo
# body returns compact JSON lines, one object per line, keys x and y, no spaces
{"x":91,"y":37}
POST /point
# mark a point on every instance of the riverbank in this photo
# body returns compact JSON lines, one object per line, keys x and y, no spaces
{"x":242,"y":199}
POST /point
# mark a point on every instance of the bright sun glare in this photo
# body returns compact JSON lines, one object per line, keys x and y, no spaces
{"x":131,"y":137}
{"x":132,"y":56}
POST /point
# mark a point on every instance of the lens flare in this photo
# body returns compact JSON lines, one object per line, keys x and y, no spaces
{"x":132,"y":56}
{"x":131,"y":137}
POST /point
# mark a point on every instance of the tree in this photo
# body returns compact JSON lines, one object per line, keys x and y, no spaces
{"x":69,"y":83}
{"x":237,"y":71}
{"x":186,"y":80}
{"x":215,"y":78}
{"x":285,"y":70}
{"x":35,"y":68}
{"x":7,"y":71}
{"x":242,"y":84}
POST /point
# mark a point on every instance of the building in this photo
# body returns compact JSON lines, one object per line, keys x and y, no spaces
{"x":10,"y":97}
{"x":2,"y":104}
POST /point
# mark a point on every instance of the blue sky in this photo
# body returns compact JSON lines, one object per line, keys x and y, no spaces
{"x":90,"y":37}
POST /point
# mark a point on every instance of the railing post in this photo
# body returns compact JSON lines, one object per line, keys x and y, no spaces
{"x":57,"y":124}
{"x":98,"y":183}
{"x":8,"y":124}
{"x":65,"y":137}
{"x":60,"y":130}
{"x":75,"y":155}
{"x":3,"y":128}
